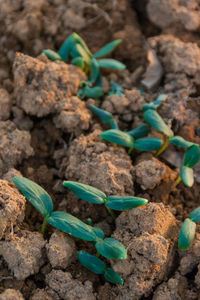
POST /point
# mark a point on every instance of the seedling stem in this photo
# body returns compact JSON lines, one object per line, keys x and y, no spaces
{"x":162,"y":149}
{"x":44,"y":225}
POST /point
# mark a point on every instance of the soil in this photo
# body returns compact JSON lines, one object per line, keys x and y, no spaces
{"x":49,"y":135}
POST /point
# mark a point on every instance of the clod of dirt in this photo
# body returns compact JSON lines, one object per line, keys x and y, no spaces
{"x":197,"y":277}
{"x":69,"y":288}
{"x":149,"y":234}
{"x":24,"y":253}
{"x":170,"y":13}
{"x":150,"y":173}
{"x":182,"y":69}
{"x":5,"y":105}
{"x":41,"y":84}
{"x":11,"y":294}
{"x":60,"y":250}
{"x":12,"y":206}
{"x":41,"y":294}
{"x":22,"y":121}
{"x":10,"y":174}
{"x":14,"y":145}
{"x":103,"y":165}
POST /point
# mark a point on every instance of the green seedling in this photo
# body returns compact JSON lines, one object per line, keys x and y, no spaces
{"x":188,"y":228}
{"x":97,"y":266}
{"x":94,"y":195}
{"x":105,"y":116}
{"x":40,"y":199}
{"x":140,"y":131}
{"x":125,"y":139}
{"x":116,"y":89}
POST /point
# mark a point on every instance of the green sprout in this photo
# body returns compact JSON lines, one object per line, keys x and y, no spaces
{"x":41,"y":200}
{"x":116,"y":89}
{"x":188,"y":228}
{"x":75,"y":48}
{"x":94,"y":195}
{"x":105,"y":116}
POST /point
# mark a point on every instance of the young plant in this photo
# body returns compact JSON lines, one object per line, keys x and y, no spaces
{"x":116,"y":89}
{"x":40,"y":199}
{"x":94,"y":195}
{"x":127,"y":140}
{"x":188,"y":228}
{"x":105,"y":116}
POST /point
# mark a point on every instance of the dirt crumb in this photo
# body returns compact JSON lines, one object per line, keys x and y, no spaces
{"x":11,"y":294}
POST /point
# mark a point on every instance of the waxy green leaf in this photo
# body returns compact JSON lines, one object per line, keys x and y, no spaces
{"x":78,"y":61}
{"x":195,"y":215}
{"x":86,"y":192}
{"x":113,"y":124}
{"x":83,"y":53}
{"x":38,"y":197}
{"x":140,"y":131}
{"x":107,"y":49}
{"x":104,"y":115}
{"x":187,"y":234}
{"x":187,"y":175}
{"x":111,"y":63}
{"x":153,"y":105}
{"x":70,"y":224}
{"x":124,"y":203}
{"x":116,"y":89}
{"x":148,"y":144}
{"x":111,"y":276}
{"x":118,"y":137}
{"x":94,"y":70}
{"x":95,"y":92}
{"x":52,"y":55}
{"x":154,"y":119}
{"x":111,"y":248}
{"x":192,"y":156}
{"x":180,"y":142}
{"x":91,"y":262}
{"x":67,"y":47}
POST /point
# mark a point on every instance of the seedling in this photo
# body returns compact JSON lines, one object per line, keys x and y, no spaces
{"x":188,"y":228}
{"x":41,"y":200}
{"x":94,"y":195}
{"x":125,"y":139}
{"x":105,"y":116}
{"x":116,"y":89}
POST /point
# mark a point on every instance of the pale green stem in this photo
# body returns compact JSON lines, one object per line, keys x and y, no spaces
{"x":162,"y":149}
{"x":44,"y":225}
{"x":178,"y":180}
{"x":111,"y":212}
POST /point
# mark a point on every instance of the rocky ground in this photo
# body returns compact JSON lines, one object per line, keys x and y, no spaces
{"x":49,"y":135}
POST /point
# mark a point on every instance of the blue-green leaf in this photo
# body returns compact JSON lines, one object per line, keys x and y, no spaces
{"x":124,"y":203}
{"x":148,"y":144}
{"x":94,"y":70}
{"x":38,"y":197}
{"x":107,"y":49}
{"x":111,"y":276}
{"x":111,"y":248}
{"x":140,"y":131}
{"x":156,"y":103}
{"x":195,"y":215}
{"x":95,"y":92}
{"x":99,"y":233}
{"x":74,"y":52}
{"x":83,"y":53}
{"x":79,"y":40}
{"x":70,"y":224}
{"x":113,"y":124}
{"x":52,"y":55}
{"x":111,"y":63}
{"x":104,"y":115}
{"x":116,"y":89}
{"x":154,"y":119}
{"x":67,"y":47}
{"x":118,"y":137}
{"x":86,"y":192}
{"x":187,"y":175}
{"x":78,"y":61}
{"x":187,"y":234}
{"x":192,"y":156}
{"x":91,"y":262}
{"x":180,"y":142}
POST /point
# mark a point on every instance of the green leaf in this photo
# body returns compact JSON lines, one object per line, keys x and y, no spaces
{"x":79,"y":40}
{"x":70,"y":224}
{"x":107,"y":49}
{"x":52,"y":55}
{"x":113,"y":124}
{"x":187,"y":175}
{"x":156,"y":103}
{"x":91,"y":262}
{"x":116,"y":89}
{"x":111,"y":248}
{"x":111,"y":63}
{"x":195,"y":215}
{"x":192,"y":156}
{"x":78,"y":61}
{"x":118,"y":137}
{"x":187,"y":234}
{"x":83,"y":53}
{"x":140,"y":131}
{"x":74,"y":52}
{"x":38,"y":197}
{"x":111,"y":276}
{"x":94,"y":93}
{"x":154,"y":119}
{"x":104,"y":115}
{"x":66,"y":47}
{"x":180,"y":142}
{"x":148,"y":144}
{"x":86,"y":192}
{"x":99,"y":233}
{"x":124,"y":203}
{"x":94,"y":70}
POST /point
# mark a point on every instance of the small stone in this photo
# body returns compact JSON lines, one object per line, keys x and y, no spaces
{"x":11,"y":294}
